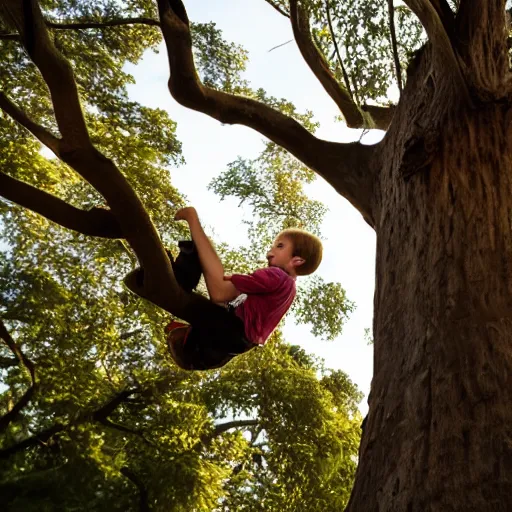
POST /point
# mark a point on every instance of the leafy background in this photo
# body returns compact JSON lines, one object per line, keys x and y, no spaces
{"x":112,"y":423}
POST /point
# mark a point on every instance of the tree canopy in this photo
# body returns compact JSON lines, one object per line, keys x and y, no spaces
{"x":93,"y":412}
{"x":109,"y":421}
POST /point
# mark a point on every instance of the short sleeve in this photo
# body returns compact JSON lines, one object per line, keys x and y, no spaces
{"x":265,"y":280}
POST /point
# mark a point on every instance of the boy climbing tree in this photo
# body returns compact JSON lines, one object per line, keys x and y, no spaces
{"x":249,"y":307}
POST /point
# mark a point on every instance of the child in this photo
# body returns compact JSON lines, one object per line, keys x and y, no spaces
{"x":255,"y":303}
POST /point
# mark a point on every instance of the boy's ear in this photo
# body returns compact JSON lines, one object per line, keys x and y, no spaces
{"x":297,"y":261}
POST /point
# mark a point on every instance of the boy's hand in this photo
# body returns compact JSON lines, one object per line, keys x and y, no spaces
{"x":188,"y":213}
{"x":227,"y":278}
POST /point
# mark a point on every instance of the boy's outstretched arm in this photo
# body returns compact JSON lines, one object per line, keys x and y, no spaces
{"x":220,"y":290}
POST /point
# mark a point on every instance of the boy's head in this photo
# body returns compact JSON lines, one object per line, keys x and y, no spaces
{"x":296,"y":251}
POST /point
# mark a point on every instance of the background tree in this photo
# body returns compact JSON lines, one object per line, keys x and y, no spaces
{"x":436,"y":190}
{"x":108,"y":422}
{"x":93,"y":414}
{"x":112,"y":423}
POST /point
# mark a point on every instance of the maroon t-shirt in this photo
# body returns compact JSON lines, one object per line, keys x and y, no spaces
{"x":270,"y":293}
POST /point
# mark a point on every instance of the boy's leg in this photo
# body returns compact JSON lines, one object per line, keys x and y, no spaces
{"x":210,"y":344}
{"x":186,"y":267}
{"x":212,"y":267}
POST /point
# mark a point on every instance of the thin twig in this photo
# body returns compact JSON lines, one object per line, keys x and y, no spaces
{"x":337,"y":50}
{"x":85,"y":24}
{"x":143,"y":492}
{"x":279,"y":45}
{"x":102,"y":24}
{"x":10,"y":37}
{"x":277,"y":8}
{"x":40,"y":132}
{"x":220,"y":428}
{"x":8,"y":362}
{"x":8,"y":418}
{"x":100,"y":415}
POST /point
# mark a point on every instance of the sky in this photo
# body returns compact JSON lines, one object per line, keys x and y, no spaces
{"x":208,"y":146}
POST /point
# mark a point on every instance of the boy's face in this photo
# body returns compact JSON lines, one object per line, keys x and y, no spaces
{"x":281,"y":255}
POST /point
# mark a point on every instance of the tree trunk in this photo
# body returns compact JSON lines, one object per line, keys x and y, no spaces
{"x":438,"y":436}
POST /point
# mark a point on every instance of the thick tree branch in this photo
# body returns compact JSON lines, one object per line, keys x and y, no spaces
{"x":445,"y":57}
{"x":8,"y":418}
{"x":481,"y":36}
{"x":86,"y":416}
{"x":94,"y":222}
{"x":394,"y":45}
{"x":76,"y":149}
{"x":316,"y":62}
{"x":381,"y":116}
{"x":333,"y":161}
{"x":40,"y":132}
{"x":445,"y":14}
{"x":188,"y":90}
{"x":118,"y":22}
{"x":27,"y":18}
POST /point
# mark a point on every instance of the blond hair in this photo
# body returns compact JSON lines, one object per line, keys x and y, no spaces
{"x":305,"y":246}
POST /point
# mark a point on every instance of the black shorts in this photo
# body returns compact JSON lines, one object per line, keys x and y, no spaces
{"x":215,"y":341}
{"x":219,"y":335}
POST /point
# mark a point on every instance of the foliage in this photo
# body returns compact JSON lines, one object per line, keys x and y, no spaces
{"x":221,"y":63}
{"x":90,"y":340}
{"x":272,"y":187}
{"x":165,"y":444}
{"x":364,"y":48}
{"x":324,"y":305}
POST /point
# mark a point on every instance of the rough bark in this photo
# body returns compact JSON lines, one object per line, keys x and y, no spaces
{"x":481,"y":31}
{"x":444,"y":63}
{"x":438,"y":434}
